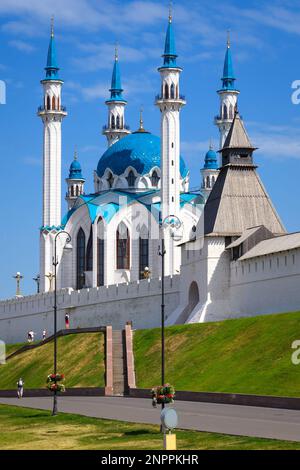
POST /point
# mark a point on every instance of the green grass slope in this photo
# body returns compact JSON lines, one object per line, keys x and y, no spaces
{"x":251,"y":356}
{"x":80,"y":358}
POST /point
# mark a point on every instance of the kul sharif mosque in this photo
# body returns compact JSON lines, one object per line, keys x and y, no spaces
{"x":226,"y":251}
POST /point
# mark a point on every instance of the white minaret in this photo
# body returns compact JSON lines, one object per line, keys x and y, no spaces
{"x":228,"y":97}
{"x":52,"y":113}
{"x":116,"y":127}
{"x":170,"y":103}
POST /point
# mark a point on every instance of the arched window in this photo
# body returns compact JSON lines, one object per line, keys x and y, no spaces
{"x":72,"y":190}
{"x":213,"y":180}
{"x":231,"y":116}
{"x":80,"y":259}
{"x":143,"y":254}
{"x":110,"y":180}
{"x":131,"y":178}
{"x":155,"y":179}
{"x":166,"y":91}
{"x":225,"y":112}
{"x":53,"y":102}
{"x":48,"y":103}
{"x":100,"y":253}
{"x":113,"y":122}
{"x":172,"y":91}
{"x":123,"y":247}
{"x":89,"y":252}
{"x":208,"y":182}
{"x":118,"y":122}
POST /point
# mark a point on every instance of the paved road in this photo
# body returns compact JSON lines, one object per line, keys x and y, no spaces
{"x":229,"y":419}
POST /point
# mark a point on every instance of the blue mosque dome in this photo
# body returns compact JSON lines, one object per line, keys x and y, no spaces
{"x":75,"y":170}
{"x":140,"y":150}
{"x":211,"y":160}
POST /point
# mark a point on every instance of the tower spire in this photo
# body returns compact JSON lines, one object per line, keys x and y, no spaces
{"x":52,"y":67}
{"x":116,"y":128}
{"x":170,"y":55}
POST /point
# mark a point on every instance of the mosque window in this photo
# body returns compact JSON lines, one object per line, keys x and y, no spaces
{"x":155,"y":179}
{"x":113,"y":122}
{"x":131,"y":178}
{"x":89,"y":253}
{"x":53,"y":102}
{"x":123,"y":247}
{"x":110,"y":180}
{"x":118,"y":122}
{"x":208,"y":182}
{"x":48,"y":102}
{"x":172,"y":91}
{"x":80,"y":259}
{"x":213,"y":180}
{"x":144,"y":256}
{"x":225,"y":112}
{"x":100,"y":258}
{"x":166,"y":91}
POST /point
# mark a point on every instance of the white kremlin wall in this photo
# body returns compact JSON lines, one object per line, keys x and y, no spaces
{"x":139,"y":302}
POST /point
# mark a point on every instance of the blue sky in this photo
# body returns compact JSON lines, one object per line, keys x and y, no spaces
{"x":265,"y":47}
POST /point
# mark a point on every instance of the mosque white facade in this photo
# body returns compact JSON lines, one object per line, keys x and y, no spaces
{"x":226,"y":248}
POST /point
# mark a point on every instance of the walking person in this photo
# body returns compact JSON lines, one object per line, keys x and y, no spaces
{"x":44,"y":334}
{"x":67,"y":321}
{"x":20,"y":385}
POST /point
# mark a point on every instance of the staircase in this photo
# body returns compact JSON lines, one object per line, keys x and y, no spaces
{"x":119,"y":363}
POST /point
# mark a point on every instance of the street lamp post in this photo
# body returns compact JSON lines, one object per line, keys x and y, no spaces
{"x":18,"y":277}
{"x":37,"y":279}
{"x":55,"y":264}
{"x":174,"y":222}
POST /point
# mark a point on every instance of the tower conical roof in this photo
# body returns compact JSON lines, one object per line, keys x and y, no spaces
{"x":228,"y":78}
{"x":116,"y":89}
{"x":237,"y":136}
{"x":52,"y":67}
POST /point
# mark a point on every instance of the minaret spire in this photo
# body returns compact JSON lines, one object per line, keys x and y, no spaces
{"x":116,"y":128}
{"x":228,"y":95}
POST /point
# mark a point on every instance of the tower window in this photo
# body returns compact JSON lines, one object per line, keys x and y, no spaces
{"x":118,"y":122}
{"x":172,"y":91}
{"x":48,"y":103}
{"x":80,"y":262}
{"x":155,"y":179}
{"x":123,"y":247}
{"x":53,"y":102}
{"x":131,"y":178}
{"x":208,"y":182}
{"x":172,"y":145}
{"x":113,"y":122}
{"x":166,"y":91}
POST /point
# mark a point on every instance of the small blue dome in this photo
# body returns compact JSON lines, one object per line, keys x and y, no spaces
{"x":211,"y":160}
{"x":75,"y":170}
{"x":140,"y":150}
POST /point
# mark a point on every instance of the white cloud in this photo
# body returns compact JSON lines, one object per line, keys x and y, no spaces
{"x":22,"y":46}
{"x":275,"y":141}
